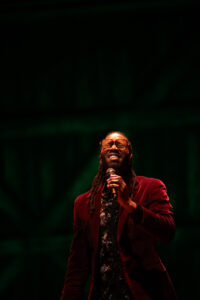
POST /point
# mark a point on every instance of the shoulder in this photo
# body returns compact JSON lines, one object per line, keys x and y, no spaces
{"x":81,"y":206}
{"x":81,"y":199}
{"x":152,"y":187}
{"x":149,"y":182}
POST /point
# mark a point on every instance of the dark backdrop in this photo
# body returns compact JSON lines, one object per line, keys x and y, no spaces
{"x":70,"y":72}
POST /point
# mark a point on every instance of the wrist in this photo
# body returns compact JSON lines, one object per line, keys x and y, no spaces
{"x":131,"y":206}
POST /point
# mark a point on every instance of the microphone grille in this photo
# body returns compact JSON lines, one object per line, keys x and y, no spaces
{"x":110,"y":171}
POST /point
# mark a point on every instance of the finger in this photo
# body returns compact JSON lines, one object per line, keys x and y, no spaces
{"x":114,"y":176}
{"x":113,"y":180}
{"x":113,"y":185}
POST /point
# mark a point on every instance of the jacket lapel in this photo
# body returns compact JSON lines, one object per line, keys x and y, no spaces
{"x":95,"y":220}
{"x":124,"y":214}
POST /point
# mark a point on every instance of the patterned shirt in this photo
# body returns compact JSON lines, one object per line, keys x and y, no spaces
{"x":111,"y":282}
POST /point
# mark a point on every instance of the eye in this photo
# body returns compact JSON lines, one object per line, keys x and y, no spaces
{"x":120,"y":145}
{"x":109,"y":144}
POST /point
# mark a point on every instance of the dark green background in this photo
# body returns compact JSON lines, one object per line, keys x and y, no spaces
{"x":70,"y":72}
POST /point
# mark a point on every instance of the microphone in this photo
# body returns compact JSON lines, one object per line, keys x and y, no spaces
{"x":109,"y":172}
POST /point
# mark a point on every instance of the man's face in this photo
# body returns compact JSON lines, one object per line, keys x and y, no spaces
{"x":115,"y":152}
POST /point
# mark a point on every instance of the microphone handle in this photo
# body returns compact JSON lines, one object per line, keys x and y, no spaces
{"x":109,"y":172}
{"x":114,"y":191}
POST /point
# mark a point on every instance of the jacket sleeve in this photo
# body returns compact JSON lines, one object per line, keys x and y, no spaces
{"x":78,"y":261}
{"x":155,"y":217}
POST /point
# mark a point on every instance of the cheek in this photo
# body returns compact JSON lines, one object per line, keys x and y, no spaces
{"x":103,"y":159}
{"x":103,"y":155}
{"x":124,"y":156}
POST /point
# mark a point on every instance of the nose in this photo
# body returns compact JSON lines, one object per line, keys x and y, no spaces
{"x":114,"y":146}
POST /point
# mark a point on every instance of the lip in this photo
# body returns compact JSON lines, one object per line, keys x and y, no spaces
{"x":113,"y":155}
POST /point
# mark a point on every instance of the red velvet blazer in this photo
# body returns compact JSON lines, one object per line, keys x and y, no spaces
{"x":137,"y":234}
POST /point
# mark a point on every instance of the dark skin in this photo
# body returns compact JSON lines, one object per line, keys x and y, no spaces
{"x":114,"y":157}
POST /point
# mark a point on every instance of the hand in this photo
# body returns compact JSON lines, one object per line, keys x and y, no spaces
{"x":117,"y":182}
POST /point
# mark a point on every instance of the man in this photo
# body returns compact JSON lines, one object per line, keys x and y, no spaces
{"x":116,"y":225}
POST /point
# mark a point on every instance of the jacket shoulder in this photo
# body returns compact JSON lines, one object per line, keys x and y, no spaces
{"x":81,"y":199}
{"x":149,"y":181}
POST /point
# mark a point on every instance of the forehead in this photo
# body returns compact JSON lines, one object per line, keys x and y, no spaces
{"x":115,"y":136}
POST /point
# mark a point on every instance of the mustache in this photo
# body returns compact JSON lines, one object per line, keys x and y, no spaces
{"x":113,"y":152}
{"x":116,"y":151}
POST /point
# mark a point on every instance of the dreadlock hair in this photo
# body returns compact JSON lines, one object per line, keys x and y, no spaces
{"x":100,"y":177}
